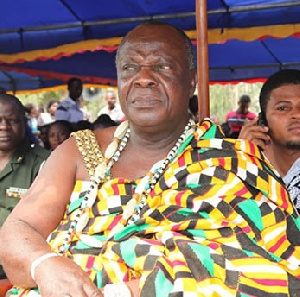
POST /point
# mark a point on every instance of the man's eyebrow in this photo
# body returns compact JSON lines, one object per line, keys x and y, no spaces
{"x":283,"y":101}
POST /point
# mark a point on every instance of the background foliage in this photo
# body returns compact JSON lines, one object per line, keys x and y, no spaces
{"x":224,"y":98}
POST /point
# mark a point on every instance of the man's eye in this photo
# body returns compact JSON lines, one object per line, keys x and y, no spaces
{"x":164,"y":66}
{"x":282,"y":108}
{"x":129,"y":67}
{"x":11,"y":121}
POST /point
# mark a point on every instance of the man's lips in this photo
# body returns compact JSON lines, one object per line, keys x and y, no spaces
{"x":294,"y":128}
{"x":4,"y":137}
{"x":146,"y":101}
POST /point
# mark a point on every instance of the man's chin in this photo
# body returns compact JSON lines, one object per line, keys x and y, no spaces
{"x":293,"y":145}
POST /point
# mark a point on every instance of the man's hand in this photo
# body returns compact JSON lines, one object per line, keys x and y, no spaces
{"x":59,"y":276}
{"x":257,"y":134}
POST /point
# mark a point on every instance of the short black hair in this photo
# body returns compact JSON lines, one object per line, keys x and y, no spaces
{"x":277,"y":80}
{"x":62,"y":123}
{"x":72,"y":80}
{"x":50,"y":103}
{"x":245,"y":98}
{"x":188,"y":44}
{"x":104,"y":121}
{"x":13,"y":99}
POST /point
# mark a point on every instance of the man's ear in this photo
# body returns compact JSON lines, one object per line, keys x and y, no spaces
{"x":194,"y":81}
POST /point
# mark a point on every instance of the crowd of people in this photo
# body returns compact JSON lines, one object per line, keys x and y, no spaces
{"x":68,"y":116}
{"x":150,"y":201}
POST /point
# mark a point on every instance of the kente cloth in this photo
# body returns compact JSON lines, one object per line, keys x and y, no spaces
{"x":292,"y":180}
{"x":219,"y":222}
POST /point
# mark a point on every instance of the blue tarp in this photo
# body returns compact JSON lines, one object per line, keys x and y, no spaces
{"x":38,"y":25}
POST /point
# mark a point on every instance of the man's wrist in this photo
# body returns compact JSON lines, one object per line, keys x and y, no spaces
{"x":38,"y":261}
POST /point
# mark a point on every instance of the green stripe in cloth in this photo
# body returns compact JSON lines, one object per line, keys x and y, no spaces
{"x":210,"y":133}
{"x":198,"y":233}
{"x":99,"y":278}
{"x":128,"y":229}
{"x":203,"y":254}
{"x":75,"y":204}
{"x":163,"y":286}
{"x":250,"y":208}
{"x":127,"y":251}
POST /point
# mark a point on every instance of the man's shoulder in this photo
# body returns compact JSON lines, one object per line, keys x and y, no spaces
{"x":231,"y":114}
{"x":118,"y":107}
{"x":66,"y":104}
{"x":208,"y":130}
{"x":218,"y":141}
{"x":102,"y":110}
{"x":29,"y":155}
{"x":251,"y":115}
{"x":38,"y":151}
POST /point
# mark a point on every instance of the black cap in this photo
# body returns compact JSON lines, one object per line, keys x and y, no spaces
{"x":245,"y":98}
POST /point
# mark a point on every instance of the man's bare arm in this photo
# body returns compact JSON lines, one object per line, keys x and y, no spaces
{"x":34,"y":218}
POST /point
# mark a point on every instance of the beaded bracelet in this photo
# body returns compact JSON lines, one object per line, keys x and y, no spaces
{"x":116,"y":290}
{"x":39,"y":260}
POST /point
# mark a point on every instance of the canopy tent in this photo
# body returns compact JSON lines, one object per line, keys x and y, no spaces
{"x":232,"y":61}
{"x":37,"y":25}
{"x":51,"y":40}
{"x":11,"y":81}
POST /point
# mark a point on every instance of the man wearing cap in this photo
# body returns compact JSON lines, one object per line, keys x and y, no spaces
{"x":236,"y":119}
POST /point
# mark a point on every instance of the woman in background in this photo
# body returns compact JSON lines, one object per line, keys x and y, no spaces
{"x":58,"y":132}
{"x":48,"y":117}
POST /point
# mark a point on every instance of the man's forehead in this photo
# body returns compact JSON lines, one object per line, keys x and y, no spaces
{"x":152,"y":33}
{"x":148,"y":47}
{"x":153,"y":39}
{"x":287,"y":89}
{"x":8,"y":102}
{"x":10,"y":108}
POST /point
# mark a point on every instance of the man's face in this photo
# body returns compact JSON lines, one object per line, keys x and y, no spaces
{"x":75,"y":90}
{"x":154,"y":79}
{"x":12,"y":126}
{"x":111,"y":100}
{"x":283,"y":116}
{"x":244,"y":106}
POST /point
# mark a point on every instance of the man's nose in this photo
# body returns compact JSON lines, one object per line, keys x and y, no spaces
{"x":145,"y":78}
{"x":296,"y":112}
{"x":4,"y":124}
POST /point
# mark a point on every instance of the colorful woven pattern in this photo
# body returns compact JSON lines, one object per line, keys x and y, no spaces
{"x":218,"y":223}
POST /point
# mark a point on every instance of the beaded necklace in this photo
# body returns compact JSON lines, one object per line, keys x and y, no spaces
{"x":138,"y":201}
